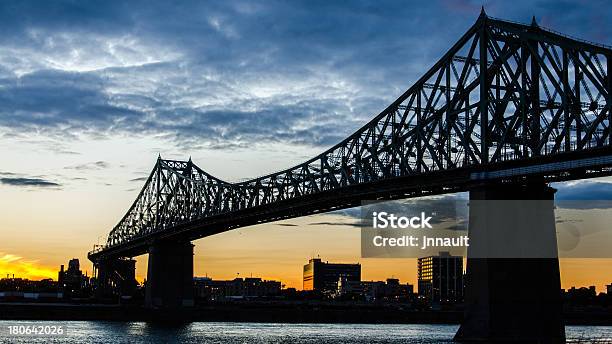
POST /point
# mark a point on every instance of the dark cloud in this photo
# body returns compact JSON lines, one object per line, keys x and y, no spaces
{"x":233,"y":73}
{"x":286,"y":224}
{"x":28,"y":182}
{"x":584,"y":195}
{"x":342,"y":224}
{"x":583,"y":190}
{"x":58,"y":101}
{"x":139,"y":179}
{"x":63,"y":103}
{"x":21,"y":180}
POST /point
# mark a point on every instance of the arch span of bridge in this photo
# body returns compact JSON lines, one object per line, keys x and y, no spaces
{"x":508,"y":104}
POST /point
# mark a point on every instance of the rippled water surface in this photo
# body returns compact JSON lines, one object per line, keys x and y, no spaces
{"x":206,"y":332}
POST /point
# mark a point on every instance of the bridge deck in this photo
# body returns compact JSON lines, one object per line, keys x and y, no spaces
{"x":443,"y":182}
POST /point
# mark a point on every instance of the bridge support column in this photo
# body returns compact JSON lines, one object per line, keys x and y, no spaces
{"x":170,"y":275}
{"x":103,"y":284}
{"x":115,"y":277}
{"x":512,"y":299}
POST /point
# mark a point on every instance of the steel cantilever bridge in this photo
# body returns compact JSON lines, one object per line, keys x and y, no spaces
{"x":508,"y":103}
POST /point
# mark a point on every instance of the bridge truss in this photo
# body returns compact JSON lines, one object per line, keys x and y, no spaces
{"x":505,"y":95}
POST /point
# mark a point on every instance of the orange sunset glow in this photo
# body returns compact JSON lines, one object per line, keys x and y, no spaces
{"x":21,"y":267}
{"x":277,"y":251}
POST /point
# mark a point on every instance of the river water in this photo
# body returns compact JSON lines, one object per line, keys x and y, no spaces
{"x":227,"y":333}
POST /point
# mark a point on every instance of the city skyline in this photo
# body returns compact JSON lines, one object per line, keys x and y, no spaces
{"x":90,"y":105}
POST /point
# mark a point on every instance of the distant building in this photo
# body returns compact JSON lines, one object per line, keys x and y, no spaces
{"x":19,"y":289}
{"x":581,"y":296}
{"x":72,"y":281}
{"x":582,"y":293}
{"x":347,"y":287}
{"x":440,"y":278}
{"x":395,"y":291}
{"x":208,"y":289}
{"x":391,"y":290}
{"x":609,"y":289}
{"x":320,"y":276}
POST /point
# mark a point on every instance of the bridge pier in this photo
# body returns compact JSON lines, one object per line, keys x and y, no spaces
{"x":170,"y":275}
{"x":512,"y":299}
{"x":115,"y":277}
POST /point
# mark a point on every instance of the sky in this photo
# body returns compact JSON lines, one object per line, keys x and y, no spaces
{"x":92,"y":92}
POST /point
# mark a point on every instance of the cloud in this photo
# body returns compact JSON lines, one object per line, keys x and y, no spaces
{"x":231,"y":74}
{"x":97,"y":165}
{"x":61,"y":104}
{"x":584,"y":190}
{"x":286,"y":224}
{"x":28,"y":182}
{"x":351,"y":213}
{"x":330,"y":223}
{"x":584,"y":195}
{"x":67,"y":152}
{"x":139,"y":179}
{"x":21,"y":180}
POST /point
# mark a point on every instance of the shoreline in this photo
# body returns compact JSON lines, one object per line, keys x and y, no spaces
{"x":258,"y":313}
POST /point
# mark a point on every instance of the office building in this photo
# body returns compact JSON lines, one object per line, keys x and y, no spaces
{"x":346,"y":287}
{"x":324,"y":276}
{"x":440,"y":278}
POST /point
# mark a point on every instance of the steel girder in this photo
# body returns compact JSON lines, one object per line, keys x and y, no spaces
{"x":504,"y":92}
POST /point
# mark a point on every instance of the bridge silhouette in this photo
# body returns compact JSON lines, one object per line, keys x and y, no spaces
{"x":507,"y":110}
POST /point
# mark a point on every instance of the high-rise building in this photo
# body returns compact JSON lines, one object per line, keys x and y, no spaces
{"x":440,"y":278}
{"x":324,"y":277}
{"x":609,"y":289}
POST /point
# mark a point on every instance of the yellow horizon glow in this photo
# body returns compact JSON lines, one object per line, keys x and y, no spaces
{"x":20,"y":267}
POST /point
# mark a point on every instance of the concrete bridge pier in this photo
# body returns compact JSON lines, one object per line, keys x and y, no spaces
{"x":170,"y":275}
{"x":103,"y":284}
{"x":512,"y":278}
{"x":115,"y":277}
